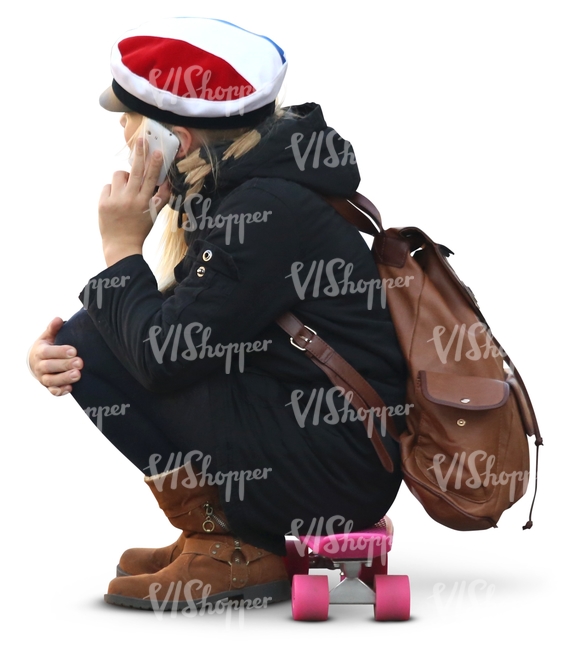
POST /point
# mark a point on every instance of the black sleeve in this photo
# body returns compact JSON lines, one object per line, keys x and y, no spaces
{"x":236,"y":285}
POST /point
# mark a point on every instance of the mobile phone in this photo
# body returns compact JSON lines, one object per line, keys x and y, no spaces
{"x":158,"y":138}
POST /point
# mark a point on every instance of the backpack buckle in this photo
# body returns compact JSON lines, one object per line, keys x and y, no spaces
{"x":308,"y":340}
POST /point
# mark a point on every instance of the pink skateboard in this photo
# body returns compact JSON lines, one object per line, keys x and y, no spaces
{"x":362,"y":559}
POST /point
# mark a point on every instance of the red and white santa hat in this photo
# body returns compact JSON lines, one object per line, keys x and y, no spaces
{"x":197,"y":72}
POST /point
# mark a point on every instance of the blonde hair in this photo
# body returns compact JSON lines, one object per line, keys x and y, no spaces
{"x":196,"y":168}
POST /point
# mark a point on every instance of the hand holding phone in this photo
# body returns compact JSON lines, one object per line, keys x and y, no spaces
{"x":129,"y":205}
{"x":158,"y":138}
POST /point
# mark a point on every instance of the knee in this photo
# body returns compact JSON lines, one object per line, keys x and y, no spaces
{"x":76,"y":331}
{"x":80,"y":332}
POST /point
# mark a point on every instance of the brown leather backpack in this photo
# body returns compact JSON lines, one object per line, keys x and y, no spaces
{"x":465,"y":452}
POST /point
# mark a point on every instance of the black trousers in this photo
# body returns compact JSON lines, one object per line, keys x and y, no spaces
{"x":152,"y":430}
{"x":156,"y":432}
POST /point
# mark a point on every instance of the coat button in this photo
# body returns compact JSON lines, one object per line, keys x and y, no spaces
{"x":200,"y":271}
{"x":207,"y":255}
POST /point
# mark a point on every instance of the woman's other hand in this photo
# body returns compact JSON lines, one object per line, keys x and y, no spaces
{"x":128,"y":207}
{"x":55,"y":366}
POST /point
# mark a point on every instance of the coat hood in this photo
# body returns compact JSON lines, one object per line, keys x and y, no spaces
{"x":299,"y":147}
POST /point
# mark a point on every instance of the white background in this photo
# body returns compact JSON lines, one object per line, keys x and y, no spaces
{"x":465,"y":118}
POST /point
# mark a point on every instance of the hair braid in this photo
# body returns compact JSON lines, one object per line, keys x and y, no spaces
{"x":196,"y":169}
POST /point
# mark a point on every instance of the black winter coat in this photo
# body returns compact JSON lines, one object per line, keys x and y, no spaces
{"x":262,"y":241}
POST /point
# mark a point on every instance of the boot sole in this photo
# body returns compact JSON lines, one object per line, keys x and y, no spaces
{"x":121,"y":573}
{"x":275,"y":591}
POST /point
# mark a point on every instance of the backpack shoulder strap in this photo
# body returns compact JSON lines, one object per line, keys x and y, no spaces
{"x":342,"y":374}
{"x":359,"y":211}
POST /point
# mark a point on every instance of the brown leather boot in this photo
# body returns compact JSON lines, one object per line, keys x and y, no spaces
{"x":136,"y":561}
{"x":213,"y":565}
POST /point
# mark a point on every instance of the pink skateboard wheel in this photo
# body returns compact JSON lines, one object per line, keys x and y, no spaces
{"x":310,"y":598}
{"x":296,"y":559}
{"x":392,"y":598}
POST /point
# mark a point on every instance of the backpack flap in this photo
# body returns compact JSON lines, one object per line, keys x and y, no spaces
{"x":469,"y":393}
